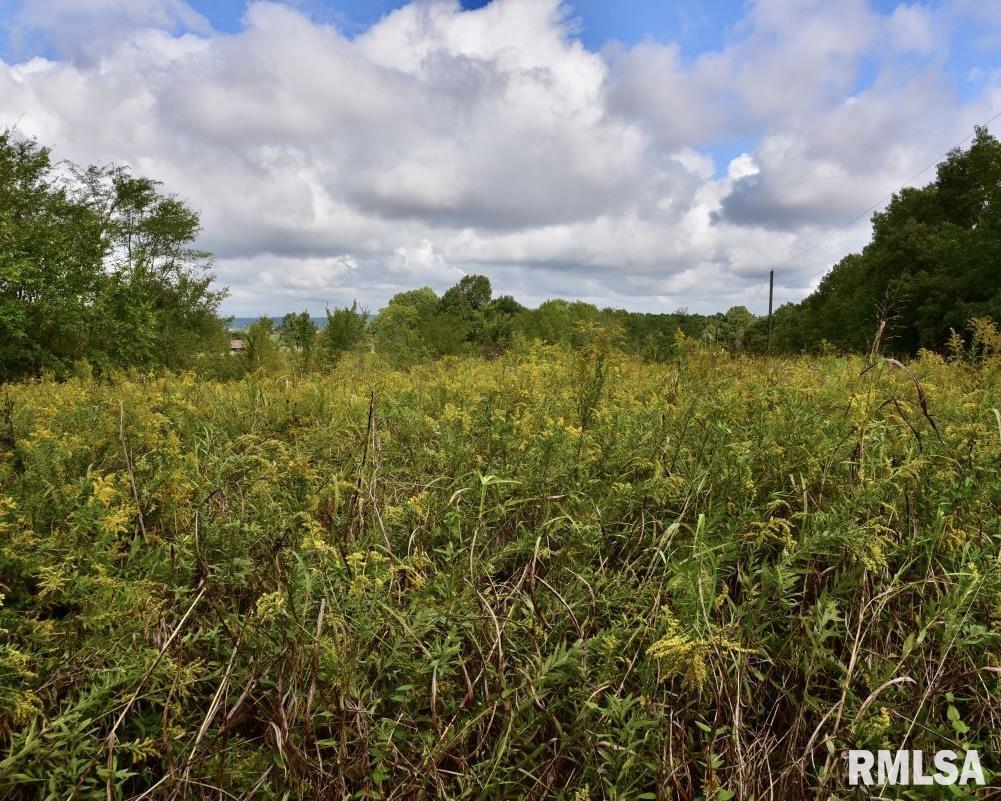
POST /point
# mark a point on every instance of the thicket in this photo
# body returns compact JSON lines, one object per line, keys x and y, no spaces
{"x":555,"y":574}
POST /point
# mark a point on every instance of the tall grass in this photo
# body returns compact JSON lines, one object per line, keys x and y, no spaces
{"x":553,"y":575}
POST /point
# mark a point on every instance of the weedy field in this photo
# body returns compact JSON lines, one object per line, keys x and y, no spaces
{"x":558,"y":574}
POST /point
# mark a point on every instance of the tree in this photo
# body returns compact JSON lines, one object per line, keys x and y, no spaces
{"x":467,"y":297}
{"x":460,"y":320}
{"x":402,"y":332}
{"x":345,"y":330}
{"x":506,"y":305}
{"x":396,"y":335}
{"x":260,"y":350}
{"x":447,"y":334}
{"x":150,"y":237}
{"x":930,"y":268}
{"x":550,"y":322}
{"x":423,"y":301}
{"x":51,"y":254}
{"x":97,"y":264}
{"x":733,"y":326}
{"x":298,"y":332}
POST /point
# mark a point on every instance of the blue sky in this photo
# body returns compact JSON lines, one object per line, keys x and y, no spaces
{"x":647,"y":155}
{"x":697,"y":25}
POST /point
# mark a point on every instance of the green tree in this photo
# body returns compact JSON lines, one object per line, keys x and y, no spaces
{"x":51,"y":254}
{"x":169,"y":309}
{"x":466,"y":298}
{"x":447,"y":334}
{"x":930,"y":268}
{"x":505,"y":305}
{"x":424,"y":301}
{"x":460,"y":323}
{"x":550,"y":322}
{"x":396,"y":335}
{"x":298,"y":332}
{"x":97,"y":264}
{"x":402,"y":332}
{"x":733,"y":326}
{"x":497,"y":327}
{"x":260,"y":349}
{"x":345,"y":331}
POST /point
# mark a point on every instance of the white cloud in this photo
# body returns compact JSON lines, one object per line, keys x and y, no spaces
{"x":421,"y":262}
{"x":742,"y":166}
{"x":443,"y":142}
{"x":912,"y":29}
{"x":83,"y":29}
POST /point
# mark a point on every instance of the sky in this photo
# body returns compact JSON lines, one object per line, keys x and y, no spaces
{"x":643,"y":155}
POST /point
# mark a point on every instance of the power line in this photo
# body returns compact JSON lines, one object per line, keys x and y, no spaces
{"x":886,"y":197}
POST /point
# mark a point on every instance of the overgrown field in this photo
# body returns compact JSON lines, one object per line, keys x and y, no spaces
{"x":554,"y":575}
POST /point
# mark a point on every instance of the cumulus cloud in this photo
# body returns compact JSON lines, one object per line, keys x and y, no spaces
{"x":912,"y":29}
{"x":441,"y":142}
{"x":83,"y":29}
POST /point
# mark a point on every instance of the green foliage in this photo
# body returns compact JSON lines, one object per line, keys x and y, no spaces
{"x":931,"y":266}
{"x":551,"y":322}
{"x":298,"y":332}
{"x":345,"y":331}
{"x":51,"y":251}
{"x":559,"y":573}
{"x":97,"y":264}
{"x":260,"y":345}
{"x":399,"y":333}
{"x":505,"y":305}
{"x":417,"y":327}
{"x":468,"y":297}
{"x":734,"y":326}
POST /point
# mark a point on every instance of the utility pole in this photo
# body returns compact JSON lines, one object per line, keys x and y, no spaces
{"x":771,"y":292}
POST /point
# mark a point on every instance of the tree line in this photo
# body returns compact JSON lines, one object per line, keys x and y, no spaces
{"x":933,"y":265}
{"x":99,"y":266}
{"x":418,"y":326}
